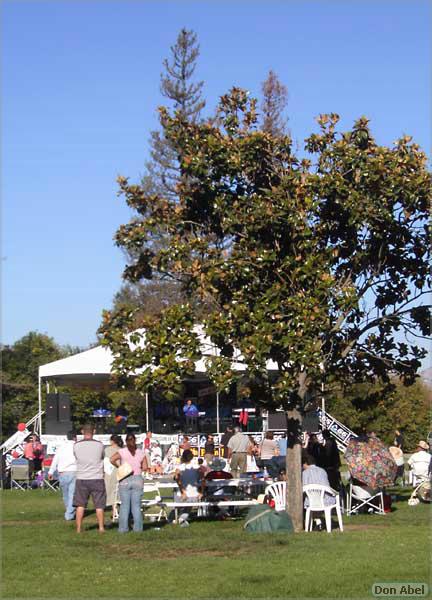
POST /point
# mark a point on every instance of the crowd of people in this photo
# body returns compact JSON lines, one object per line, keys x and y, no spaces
{"x":86,"y":468}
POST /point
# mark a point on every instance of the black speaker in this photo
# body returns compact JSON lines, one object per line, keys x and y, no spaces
{"x":311,"y":422}
{"x":64,"y":408}
{"x":51,"y":410}
{"x":277,"y":420}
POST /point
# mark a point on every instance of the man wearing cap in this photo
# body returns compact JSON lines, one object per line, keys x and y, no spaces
{"x":420,"y":461}
{"x":238,"y":448}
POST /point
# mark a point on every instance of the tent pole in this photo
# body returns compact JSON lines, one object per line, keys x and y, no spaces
{"x":147,"y":411}
{"x":322,"y":369}
{"x":40,"y":405}
{"x":217,"y":413}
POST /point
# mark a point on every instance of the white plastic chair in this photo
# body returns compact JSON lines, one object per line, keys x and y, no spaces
{"x":316,"y":495}
{"x":277,"y":491}
{"x":415,"y":479}
{"x":359,"y":497}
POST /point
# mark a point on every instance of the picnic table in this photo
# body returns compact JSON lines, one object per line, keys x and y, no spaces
{"x":234,"y":493}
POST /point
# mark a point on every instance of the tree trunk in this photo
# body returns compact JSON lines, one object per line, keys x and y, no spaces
{"x":294,"y":469}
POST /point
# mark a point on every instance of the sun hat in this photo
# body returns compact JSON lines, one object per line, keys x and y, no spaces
{"x":423,"y":444}
{"x":217,"y":464}
{"x":395,"y":452}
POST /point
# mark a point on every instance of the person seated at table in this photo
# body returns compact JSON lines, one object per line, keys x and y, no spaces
{"x":187,"y":476}
{"x":217,"y":473}
{"x":278,"y":463}
{"x":171,"y":459}
{"x":188,"y":479}
{"x":156,"y":467}
{"x":209,"y":449}
{"x":313,"y":474}
{"x":217,"y":467}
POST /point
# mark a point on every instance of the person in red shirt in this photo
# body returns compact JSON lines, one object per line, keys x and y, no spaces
{"x":147,"y":446}
{"x":33,"y":452}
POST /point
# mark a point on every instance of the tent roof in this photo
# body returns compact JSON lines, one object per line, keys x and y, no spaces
{"x":91,"y":366}
{"x":94,"y":366}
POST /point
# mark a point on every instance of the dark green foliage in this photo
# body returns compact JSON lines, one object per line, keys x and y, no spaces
{"x":310,"y":263}
{"x":19,"y":377}
{"x":384,"y":408}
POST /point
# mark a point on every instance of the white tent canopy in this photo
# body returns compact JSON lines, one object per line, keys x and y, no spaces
{"x":97,"y":363}
{"x":94,"y":367}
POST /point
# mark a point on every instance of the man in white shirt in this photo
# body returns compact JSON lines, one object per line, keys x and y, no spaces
{"x":64,"y":463}
{"x":420,"y":461}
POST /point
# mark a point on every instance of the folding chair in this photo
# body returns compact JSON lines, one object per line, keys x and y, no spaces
{"x":115,"y":505}
{"x":20,"y":474}
{"x":359,"y":498}
{"x":317,"y":494}
{"x":277,"y":491}
{"x":148,"y":502}
{"x":415,"y":479}
{"x":52,"y":485}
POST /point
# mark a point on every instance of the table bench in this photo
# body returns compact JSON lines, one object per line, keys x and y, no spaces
{"x":200,"y":505}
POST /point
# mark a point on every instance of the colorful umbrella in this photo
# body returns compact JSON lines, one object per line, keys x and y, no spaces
{"x":370,"y":462}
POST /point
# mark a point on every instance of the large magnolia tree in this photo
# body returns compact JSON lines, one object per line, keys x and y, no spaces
{"x":314,"y":263}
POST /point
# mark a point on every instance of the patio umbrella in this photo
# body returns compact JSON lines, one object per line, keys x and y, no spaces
{"x":370,"y":462}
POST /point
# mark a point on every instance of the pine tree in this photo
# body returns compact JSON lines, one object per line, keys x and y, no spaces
{"x":177,"y":85}
{"x":274,"y":103}
{"x":162,"y":170}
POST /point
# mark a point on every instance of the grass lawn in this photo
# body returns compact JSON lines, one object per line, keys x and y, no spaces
{"x":43,"y":557}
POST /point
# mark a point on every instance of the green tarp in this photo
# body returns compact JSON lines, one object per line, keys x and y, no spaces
{"x":264,"y":519}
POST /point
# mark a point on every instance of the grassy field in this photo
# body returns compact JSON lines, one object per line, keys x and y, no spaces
{"x":43,"y":557}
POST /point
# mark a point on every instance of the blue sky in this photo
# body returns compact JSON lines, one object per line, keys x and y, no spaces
{"x":80,"y":84}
